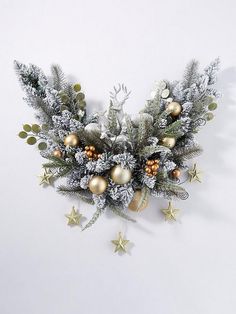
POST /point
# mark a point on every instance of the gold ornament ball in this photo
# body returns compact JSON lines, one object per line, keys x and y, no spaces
{"x":97,"y":185}
{"x":135,"y":205}
{"x":57,"y":153}
{"x":174,"y":108}
{"x":169,"y":142}
{"x":120,"y":175}
{"x":176,"y":173}
{"x":71,"y":140}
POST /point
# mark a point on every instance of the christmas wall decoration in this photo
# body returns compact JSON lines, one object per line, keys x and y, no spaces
{"x":112,"y":160}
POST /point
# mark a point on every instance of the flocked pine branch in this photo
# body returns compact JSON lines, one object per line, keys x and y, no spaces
{"x":121,"y":213}
{"x":191,"y":74}
{"x":59,"y":80}
{"x":170,"y":190}
{"x":95,"y":217}
{"x":75,"y":191}
{"x":186,"y":153}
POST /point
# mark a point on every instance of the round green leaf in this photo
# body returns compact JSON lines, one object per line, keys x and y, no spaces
{"x":36,"y":128}
{"x":45,"y":127}
{"x":63,"y":107}
{"x":31,"y":140}
{"x":27,"y":127}
{"x":77,"y":87}
{"x":22,"y":134}
{"x":82,"y":104}
{"x":42,"y":146}
{"x":64,"y":98}
{"x":209,"y":116}
{"x":80,"y":97}
{"x":212,"y":106}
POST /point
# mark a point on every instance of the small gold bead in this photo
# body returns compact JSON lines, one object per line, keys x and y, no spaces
{"x":57,"y":153}
{"x":89,"y":153}
{"x":154,"y":167}
{"x":92,"y":148}
{"x":148,"y":170}
{"x":99,"y":155}
{"x":176,"y":173}
{"x":86,"y":147}
{"x":154,"y":173}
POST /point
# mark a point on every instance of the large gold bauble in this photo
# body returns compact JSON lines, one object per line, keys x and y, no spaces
{"x":71,"y":140}
{"x":168,"y":142}
{"x":120,"y":175}
{"x":97,"y":185}
{"x":57,"y":153}
{"x":174,"y":108}
{"x":135,"y":204}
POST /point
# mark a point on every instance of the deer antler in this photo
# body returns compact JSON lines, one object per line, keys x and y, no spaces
{"x":116,"y":102}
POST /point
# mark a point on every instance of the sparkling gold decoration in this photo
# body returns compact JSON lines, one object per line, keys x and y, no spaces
{"x":194,"y":174}
{"x":46,"y":177}
{"x":174,"y":108}
{"x":91,"y":153}
{"x":176,"y":173}
{"x":170,"y":212}
{"x":97,"y":185}
{"x":120,"y":175}
{"x":120,"y":243}
{"x":71,"y":140}
{"x":169,"y":142}
{"x":135,"y":204}
{"x":57,"y":153}
{"x":74,"y":218}
{"x":152,"y":167}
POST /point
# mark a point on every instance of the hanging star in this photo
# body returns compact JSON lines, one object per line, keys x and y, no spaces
{"x":120,"y":243}
{"x":194,"y":174}
{"x":170,"y":212}
{"x":74,"y":218}
{"x":46,"y":177}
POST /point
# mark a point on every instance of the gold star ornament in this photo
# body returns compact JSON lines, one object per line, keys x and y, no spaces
{"x":74,"y":218}
{"x":120,"y":243}
{"x":194,"y":174}
{"x":46,"y":177}
{"x":170,"y":212}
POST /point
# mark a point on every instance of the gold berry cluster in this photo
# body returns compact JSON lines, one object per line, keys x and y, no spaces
{"x":151,"y":167}
{"x":91,"y":152}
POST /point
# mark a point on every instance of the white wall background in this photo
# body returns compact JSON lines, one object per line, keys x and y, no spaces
{"x":184,"y":268}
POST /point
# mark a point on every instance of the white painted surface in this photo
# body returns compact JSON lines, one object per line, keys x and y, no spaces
{"x":183,"y":268}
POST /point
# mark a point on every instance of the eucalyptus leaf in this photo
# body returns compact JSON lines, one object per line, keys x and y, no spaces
{"x":42,"y":146}
{"x":64,"y":98}
{"x":212,"y":106}
{"x":27,"y":127}
{"x":209,"y":116}
{"x":22,"y":134}
{"x":45,"y":127}
{"x":80,"y":97}
{"x":36,"y":128}
{"x":77,"y":87}
{"x":31,"y":140}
